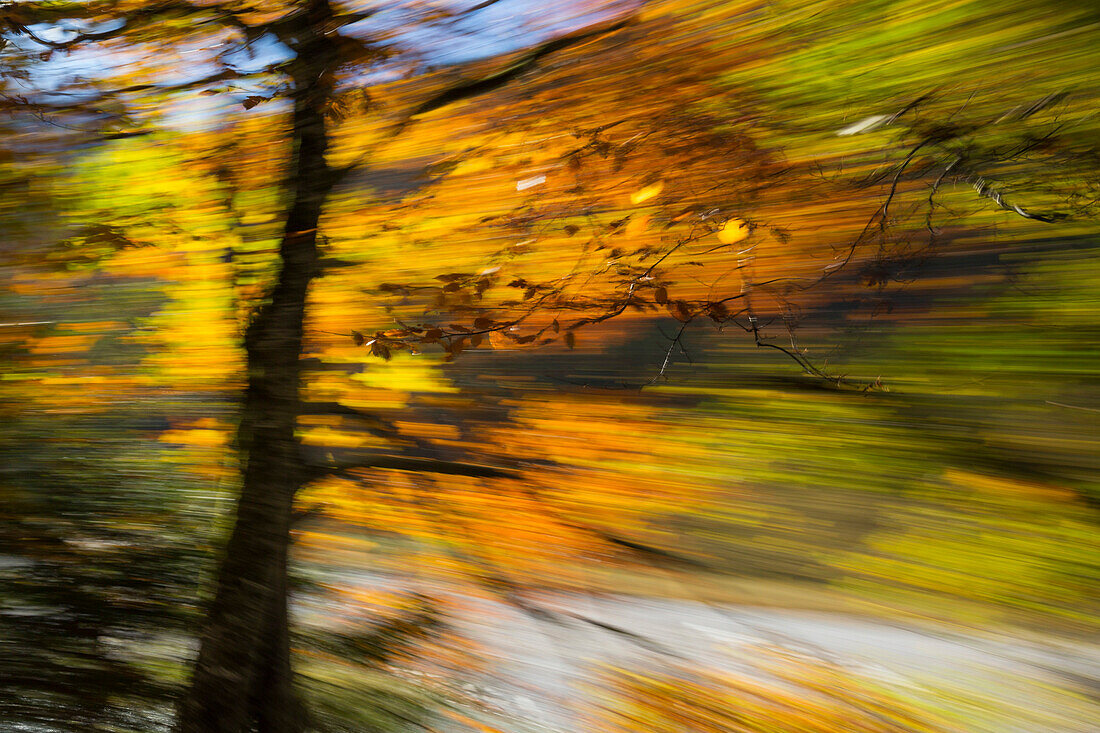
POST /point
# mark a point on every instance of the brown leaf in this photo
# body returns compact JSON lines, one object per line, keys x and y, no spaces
{"x":250,"y":102}
{"x":482,"y":322}
{"x":660,"y":295}
{"x":680,"y":311}
{"x":381,"y":350}
{"x":358,"y":338}
{"x":570,"y":339}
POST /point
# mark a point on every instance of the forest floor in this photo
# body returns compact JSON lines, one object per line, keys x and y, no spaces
{"x":539,"y":671}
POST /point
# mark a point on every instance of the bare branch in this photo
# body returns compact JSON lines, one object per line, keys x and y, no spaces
{"x":72,"y":42}
{"x":480,"y":6}
{"x":985,"y":190}
{"x":676,"y":341}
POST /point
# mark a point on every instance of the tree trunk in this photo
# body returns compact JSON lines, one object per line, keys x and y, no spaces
{"x":242,"y":679}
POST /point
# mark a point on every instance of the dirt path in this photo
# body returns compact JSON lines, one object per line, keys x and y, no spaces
{"x":989,"y":683}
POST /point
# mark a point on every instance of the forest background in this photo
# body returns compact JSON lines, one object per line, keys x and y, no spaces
{"x":788,"y":303}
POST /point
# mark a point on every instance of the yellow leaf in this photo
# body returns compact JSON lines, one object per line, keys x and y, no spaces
{"x":637,"y":226}
{"x":645,"y":194}
{"x":198,"y":438}
{"x":733,"y":231}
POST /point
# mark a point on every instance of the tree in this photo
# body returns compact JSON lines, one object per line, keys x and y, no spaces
{"x":242,"y":678}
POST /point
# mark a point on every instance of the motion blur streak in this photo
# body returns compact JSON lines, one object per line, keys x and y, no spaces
{"x":588,"y":366}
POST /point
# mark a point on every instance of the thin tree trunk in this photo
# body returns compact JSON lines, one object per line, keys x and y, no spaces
{"x":242,"y":679}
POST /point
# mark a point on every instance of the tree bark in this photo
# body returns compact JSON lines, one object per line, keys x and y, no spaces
{"x":242,"y":678}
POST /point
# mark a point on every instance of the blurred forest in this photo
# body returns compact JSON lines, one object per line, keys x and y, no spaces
{"x":328,"y":326}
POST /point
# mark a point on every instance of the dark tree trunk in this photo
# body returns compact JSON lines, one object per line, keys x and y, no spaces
{"x":242,"y":679}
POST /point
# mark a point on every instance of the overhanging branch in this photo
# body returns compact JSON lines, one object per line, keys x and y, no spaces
{"x":497,"y":80}
{"x":342,"y":464}
{"x":18,"y":17}
{"x":526,"y":62}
